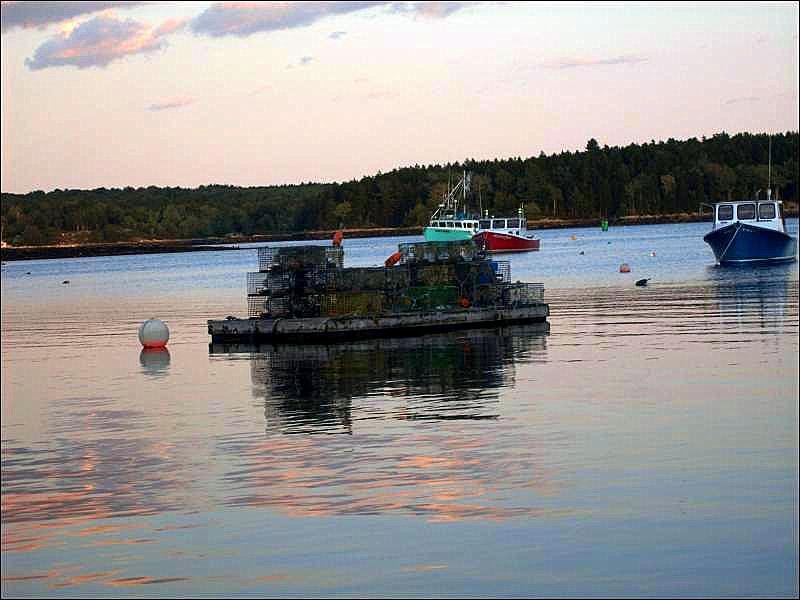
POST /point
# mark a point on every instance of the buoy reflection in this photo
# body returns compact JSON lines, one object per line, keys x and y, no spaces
{"x":154,"y":361}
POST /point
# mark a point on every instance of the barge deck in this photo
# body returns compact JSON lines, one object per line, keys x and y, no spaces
{"x":316,"y":329}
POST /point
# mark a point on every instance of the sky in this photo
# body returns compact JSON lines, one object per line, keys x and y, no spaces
{"x":115,"y":94}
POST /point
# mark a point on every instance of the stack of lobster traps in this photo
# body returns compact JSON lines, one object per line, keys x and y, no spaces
{"x":311,"y":281}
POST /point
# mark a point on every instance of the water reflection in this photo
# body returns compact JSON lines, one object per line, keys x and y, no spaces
{"x":781,"y":270}
{"x":646,"y":415}
{"x":457,"y":375}
{"x":154,"y":361}
{"x":425,"y":414}
{"x":97,"y":465}
{"x":758,"y":298}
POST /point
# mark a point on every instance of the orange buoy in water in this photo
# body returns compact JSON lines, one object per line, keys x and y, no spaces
{"x":624,"y":268}
{"x":464,"y":302}
{"x":337,"y":238}
{"x":393,"y":259}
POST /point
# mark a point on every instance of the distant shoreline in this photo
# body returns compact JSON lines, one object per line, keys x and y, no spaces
{"x":231,"y":242}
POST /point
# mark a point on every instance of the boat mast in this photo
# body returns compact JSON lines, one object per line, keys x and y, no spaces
{"x":464,"y":193}
{"x":480,"y":201}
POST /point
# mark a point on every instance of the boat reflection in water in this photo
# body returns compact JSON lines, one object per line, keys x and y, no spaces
{"x":758,"y":298}
{"x":448,"y":376}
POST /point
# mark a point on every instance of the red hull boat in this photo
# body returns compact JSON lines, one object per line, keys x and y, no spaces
{"x":496,"y":241}
{"x":505,"y":235}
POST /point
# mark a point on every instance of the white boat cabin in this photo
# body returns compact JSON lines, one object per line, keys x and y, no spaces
{"x":503,"y":225}
{"x":456,"y":224}
{"x":516,"y":225}
{"x":767,"y":214}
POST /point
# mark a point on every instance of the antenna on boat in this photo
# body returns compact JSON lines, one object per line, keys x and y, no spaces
{"x":449,"y":181}
{"x":769,"y":171}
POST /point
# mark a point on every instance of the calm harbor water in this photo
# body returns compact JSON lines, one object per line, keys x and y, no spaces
{"x":645,"y":444}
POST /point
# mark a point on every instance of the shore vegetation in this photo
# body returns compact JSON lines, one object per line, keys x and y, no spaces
{"x":634,"y":182}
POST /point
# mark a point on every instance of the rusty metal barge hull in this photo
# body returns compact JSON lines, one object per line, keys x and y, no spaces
{"x":317,"y":329}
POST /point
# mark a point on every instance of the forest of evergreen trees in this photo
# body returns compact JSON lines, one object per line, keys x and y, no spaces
{"x":649,"y":179}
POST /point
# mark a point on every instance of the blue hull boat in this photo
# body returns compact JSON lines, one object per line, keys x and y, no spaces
{"x":750,"y":232}
{"x":741,"y":243}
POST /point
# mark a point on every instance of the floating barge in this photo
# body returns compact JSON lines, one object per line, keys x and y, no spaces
{"x":304,"y":294}
{"x":317,"y":329}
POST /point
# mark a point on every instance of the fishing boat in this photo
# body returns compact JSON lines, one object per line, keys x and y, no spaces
{"x":452,"y":221}
{"x":496,"y":235}
{"x":751,"y":232}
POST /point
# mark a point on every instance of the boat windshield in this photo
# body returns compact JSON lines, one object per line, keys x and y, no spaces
{"x":725,"y":212}
{"x":766,"y":211}
{"x":458,"y":224}
{"x":485,"y":224}
{"x":746,"y":212}
{"x":499,"y":224}
{"x":513,"y":223}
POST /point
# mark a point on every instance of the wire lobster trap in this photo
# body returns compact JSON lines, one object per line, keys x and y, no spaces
{"x":502,"y":271}
{"x":432,"y":252}
{"x":433,"y":274}
{"x":342,"y":304}
{"x":517,"y":294}
{"x":482,"y":272}
{"x":427,"y":298}
{"x":269,"y":283}
{"x":470,"y":277}
{"x":397,"y":278}
{"x":354,"y":279}
{"x":485,"y":296}
{"x":262,"y":307}
{"x":300,"y":257}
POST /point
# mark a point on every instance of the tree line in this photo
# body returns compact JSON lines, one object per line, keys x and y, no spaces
{"x":653,"y":178}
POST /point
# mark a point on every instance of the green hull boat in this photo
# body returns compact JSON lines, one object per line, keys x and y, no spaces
{"x":444,"y":234}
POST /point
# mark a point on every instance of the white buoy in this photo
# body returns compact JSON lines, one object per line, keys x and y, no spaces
{"x":153,"y":333}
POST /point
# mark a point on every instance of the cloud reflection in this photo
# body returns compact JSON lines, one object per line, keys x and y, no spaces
{"x":98,"y":465}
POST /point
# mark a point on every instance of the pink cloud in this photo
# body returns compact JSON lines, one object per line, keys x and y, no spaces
{"x":99,"y":41}
{"x":743,"y":99}
{"x":170,"y":26}
{"x":570,"y":63}
{"x":172,"y":103}
{"x":433,"y":10}
{"x":41,"y":14}
{"x":246,"y":18}
{"x":261,"y":90}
